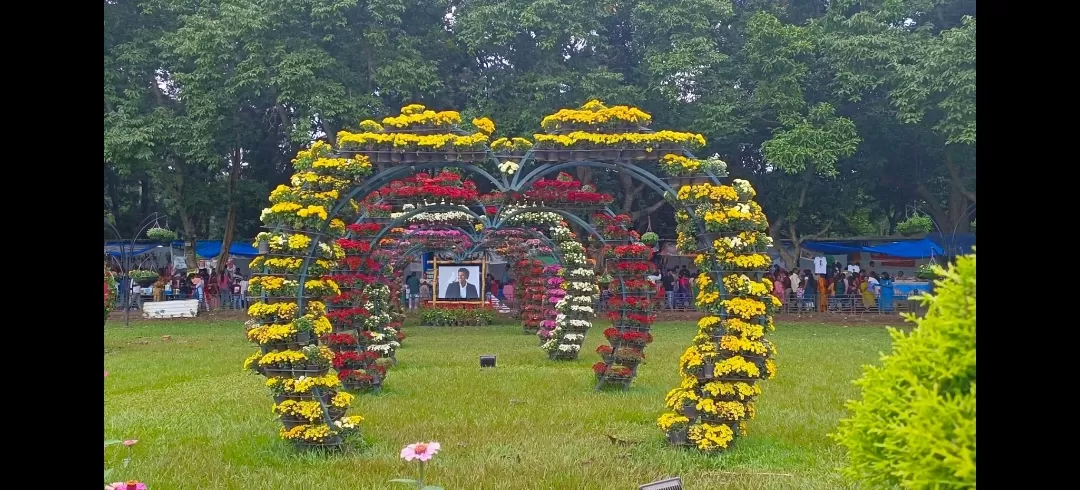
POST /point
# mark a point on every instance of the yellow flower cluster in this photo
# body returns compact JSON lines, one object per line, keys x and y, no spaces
{"x":669,"y":420}
{"x":342,"y":399}
{"x":709,"y":437}
{"x":742,"y":284}
{"x":283,"y":358}
{"x":724,"y":194}
{"x":307,"y":433}
{"x":739,"y":390}
{"x":304,"y":384}
{"x":404,"y":141}
{"x":679,"y":397}
{"x":744,"y":308}
{"x":510,"y":144}
{"x":280,"y":311}
{"x":594,"y":113}
{"x":425,"y":117}
{"x":314,"y":180}
{"x":265,"y":334}
{"x":648,"y":141}
{"x":290,"y":265}
{"x":727,"y":410}
{"x":732,"y":343}
{"x":485,"y":125}
{"x":731,"y":339}
{"x":310,"y":410}
{"x":736,"y":366}
{"x":679,"y":165}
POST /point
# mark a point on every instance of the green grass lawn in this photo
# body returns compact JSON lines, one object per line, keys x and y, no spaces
{"x":529,"y":424}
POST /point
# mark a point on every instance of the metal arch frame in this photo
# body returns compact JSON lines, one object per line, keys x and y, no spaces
{"x":379,"y":179}
{"x":127,"y":252}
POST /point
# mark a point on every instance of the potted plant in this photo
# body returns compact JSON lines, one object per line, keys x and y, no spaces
{"x":649,"y":238}
{"x":143,"y":278}
{"x":163,"y":235}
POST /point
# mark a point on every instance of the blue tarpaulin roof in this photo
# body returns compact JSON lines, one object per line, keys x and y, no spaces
{"x":212,"y":248}
{"x":114,"y":248}
{"x":908,"y":249}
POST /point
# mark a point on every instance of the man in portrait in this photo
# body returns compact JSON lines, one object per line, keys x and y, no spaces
{"x":462,"y":288}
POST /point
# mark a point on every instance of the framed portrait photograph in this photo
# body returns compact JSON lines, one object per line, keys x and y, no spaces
{"x":459,"y":282}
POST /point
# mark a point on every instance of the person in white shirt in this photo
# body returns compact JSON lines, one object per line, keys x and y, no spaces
{"x":136,"y":295}
{"x":243,"y":291}
{"x":795,"y":282}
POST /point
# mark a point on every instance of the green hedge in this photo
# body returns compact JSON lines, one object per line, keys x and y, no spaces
{"x":914,"y":426}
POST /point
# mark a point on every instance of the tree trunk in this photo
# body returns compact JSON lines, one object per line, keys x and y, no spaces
{"x":230,"y":219}
{"x":190,"y":240}
{"x":144,"y":196}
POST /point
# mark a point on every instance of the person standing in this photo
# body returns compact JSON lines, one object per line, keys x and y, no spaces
{"x":413,"y":284}
{"x":795,"y":286}
{"x":668,"y":281}
{"x":822,"y":293}
{"x":237,"y":294}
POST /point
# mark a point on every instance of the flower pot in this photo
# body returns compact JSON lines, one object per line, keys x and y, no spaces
{"x":705,"y":240}
{"x":565,"y":155}
{"x":607,"y":154}
{"x":707,"y":370}
{"x":678,"y":437}
{"x":689,"y":410}
{"x":409,"y":157}
{"x":395,"y":156}
{"x":302,"y":337}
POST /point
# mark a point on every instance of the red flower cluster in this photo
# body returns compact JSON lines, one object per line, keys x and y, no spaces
{"x":354,"y":360}
{"x":443,"y":186}
{"x":639,"y":304}
{"x":364,"y":229}
{"x":632,"y":251}
{"x":340,"y":339}
{"x":347,"y":315}
{"x":638,"y":267}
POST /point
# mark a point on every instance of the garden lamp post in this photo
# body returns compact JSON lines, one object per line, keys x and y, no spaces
{"x":127,"y":256}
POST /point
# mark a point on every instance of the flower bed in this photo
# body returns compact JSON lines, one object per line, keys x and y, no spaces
{"x":720,"y":370}
{"x":456,"y":315}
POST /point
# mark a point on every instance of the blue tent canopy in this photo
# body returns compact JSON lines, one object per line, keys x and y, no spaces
{"x":919,"y":249}
{"x":832,"y":248}
{"x":114,"y":248}
{"x":212,"y":248}
{"x":908,"y":249}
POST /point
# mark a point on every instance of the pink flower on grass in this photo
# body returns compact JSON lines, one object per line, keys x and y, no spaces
{"x":130,"y":442}
{"x":421,"y":450}
{"x":133,"y":485}
{"x":106,"y":374}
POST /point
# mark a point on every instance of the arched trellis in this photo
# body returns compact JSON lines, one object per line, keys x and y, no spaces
{"x":718,"y":229}
{"x":386,"y":176}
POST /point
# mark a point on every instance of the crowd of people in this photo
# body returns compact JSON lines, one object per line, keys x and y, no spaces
{"x":839,"y":288}
{"x":214,"y":289}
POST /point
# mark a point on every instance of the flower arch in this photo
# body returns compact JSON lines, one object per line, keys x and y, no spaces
{"x":418,"y":140}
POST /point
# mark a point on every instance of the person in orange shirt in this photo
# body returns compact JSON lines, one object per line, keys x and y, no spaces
{"x":823,"y":293}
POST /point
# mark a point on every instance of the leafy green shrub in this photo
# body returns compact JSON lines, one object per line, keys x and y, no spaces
{"x":915,"y":424}
{"x":917,"y":224}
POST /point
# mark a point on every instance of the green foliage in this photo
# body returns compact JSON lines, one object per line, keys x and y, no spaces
{"x":916,"y":224}
{"x":914,"y":426}
{"x":650,"y":238}
{"x":457,"y":315}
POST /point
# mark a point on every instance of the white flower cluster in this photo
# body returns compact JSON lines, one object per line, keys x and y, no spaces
{"x":744,"y":189}
{"x":509,"y":167}
{"x":383,"y":337}
{"x":574,"y":308}
{"x":531,"y":218}
{"x":444,"y":217}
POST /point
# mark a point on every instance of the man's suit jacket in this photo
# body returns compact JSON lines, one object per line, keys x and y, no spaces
{"x":453,"y":291}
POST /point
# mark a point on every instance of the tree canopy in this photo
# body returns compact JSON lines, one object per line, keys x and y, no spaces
{"x":846,"y":115}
